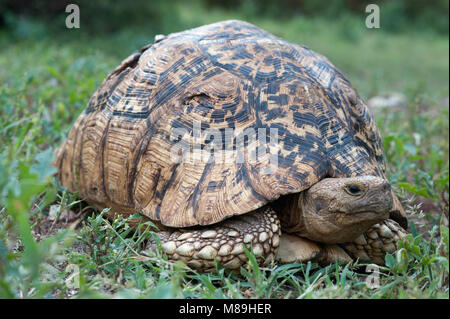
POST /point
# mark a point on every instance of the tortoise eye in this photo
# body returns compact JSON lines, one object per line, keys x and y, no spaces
{"x":353,"y":189}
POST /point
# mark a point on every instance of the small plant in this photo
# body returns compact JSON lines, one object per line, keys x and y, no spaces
{"x":22,"y":258}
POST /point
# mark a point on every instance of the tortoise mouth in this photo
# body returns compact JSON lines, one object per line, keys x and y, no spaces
{"x":365,"y":214}
{"x":370,"y":212}
{"x":361,"y":216}
{"x":379,"y":208}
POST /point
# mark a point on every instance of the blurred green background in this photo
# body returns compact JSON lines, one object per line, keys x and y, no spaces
{"x":409,"y":51}
{"x":48,"y":73}
{"x":164,"y":16}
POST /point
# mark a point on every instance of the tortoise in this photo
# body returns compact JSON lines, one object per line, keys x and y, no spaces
{"x":227,"y":136}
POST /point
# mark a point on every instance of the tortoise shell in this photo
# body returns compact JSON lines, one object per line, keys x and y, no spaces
{"x":160,"y":136}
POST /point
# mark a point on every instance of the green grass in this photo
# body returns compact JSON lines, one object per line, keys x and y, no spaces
{"x":45,"y":84}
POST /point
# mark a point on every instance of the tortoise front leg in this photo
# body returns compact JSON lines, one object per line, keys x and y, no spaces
{"x":373,"y":245}
{"x":201,"y":246}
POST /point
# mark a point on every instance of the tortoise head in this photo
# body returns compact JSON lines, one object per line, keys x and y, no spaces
{"x":337,"y":210}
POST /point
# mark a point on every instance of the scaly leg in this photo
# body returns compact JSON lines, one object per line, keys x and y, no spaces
{"x":373,"y":245}
{"x":199,"y":246}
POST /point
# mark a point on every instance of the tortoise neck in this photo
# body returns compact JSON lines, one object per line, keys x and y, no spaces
{"x":289,"y":212}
